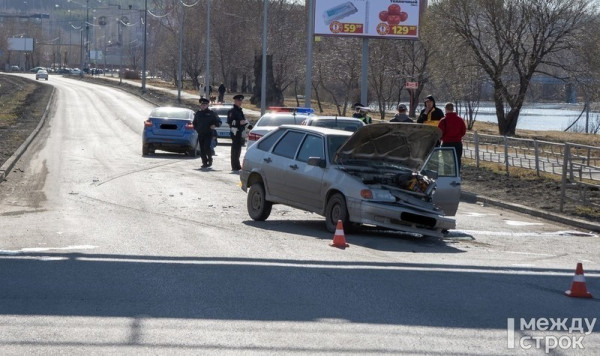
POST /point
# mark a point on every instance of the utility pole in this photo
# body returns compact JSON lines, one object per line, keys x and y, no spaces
{"x":87,"y":35}
{"x":144,"y":60}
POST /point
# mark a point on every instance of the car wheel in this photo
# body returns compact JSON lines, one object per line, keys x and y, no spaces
{"x":145,"y":149}
{"x":259,"y":208}
{"x":336,"y":210}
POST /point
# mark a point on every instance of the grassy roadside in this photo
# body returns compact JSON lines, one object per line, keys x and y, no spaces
{"x":22,"y":105}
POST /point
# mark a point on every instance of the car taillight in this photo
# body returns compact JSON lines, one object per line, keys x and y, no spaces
{"x":147,"y":123}
{"x":189,"y":126}
{"x":254,"y":136}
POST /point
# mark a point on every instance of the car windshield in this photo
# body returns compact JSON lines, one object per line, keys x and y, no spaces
{"x":277,"y":120}
{"x":333,"y":144}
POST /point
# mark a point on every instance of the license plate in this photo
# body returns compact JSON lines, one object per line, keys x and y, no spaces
{"x":223,"y":133}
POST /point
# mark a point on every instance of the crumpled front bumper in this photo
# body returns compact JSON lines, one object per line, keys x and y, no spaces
{"x":400,"y":218}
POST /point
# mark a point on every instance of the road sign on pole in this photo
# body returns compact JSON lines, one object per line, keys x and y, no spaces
{"x":411,"y":85}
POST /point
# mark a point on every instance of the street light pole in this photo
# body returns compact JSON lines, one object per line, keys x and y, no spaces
{"x":87,"y":35}
{"x":179,"y":67}
{"x":144,"y":60}
{"x":263,"y":81}
{"x":207,"y":79}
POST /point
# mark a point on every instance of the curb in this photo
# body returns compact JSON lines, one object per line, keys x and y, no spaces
{"x":12,"y":160}
{"x":578,"y":223}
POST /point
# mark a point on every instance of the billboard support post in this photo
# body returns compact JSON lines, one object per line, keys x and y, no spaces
{"x":364,"y":82}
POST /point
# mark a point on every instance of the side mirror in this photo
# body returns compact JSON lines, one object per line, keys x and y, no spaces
{"x":317,"y":162}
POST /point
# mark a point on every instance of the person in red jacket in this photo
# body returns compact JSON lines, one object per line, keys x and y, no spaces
{"x":453,"y":129}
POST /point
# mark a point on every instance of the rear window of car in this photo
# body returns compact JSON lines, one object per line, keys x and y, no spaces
{"x":288,"y":145}
{"x":170,"y":113}
{"x":265,"y":143}
{"x":278,"y":120}
{"x":337,"y":124}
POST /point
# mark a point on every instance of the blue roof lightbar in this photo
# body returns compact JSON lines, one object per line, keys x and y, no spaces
{"x":295,"y":110}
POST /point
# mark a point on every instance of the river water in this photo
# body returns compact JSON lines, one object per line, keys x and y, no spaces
{"x":542,"y":117}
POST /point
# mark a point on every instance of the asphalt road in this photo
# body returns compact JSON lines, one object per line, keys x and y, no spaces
{"x":105,"y":251}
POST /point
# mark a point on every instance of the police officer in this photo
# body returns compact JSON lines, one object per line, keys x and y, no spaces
{"x":205,"y":121}
{"x":237,"y":124}
{"x":360,"y":112}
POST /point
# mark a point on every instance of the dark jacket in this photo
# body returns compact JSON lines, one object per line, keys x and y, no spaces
{"x":401,"y":118}
{"x":436,"y":115}
{"x":363,"y":116}
{"x":234,"y":118}
{"x":203,"y":120}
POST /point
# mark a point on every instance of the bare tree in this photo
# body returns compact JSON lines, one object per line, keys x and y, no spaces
{"x":337,"y":70}
{"x":511,"y":40}
{"x":385,"y":76}
{"x":456,"y":71}
{"x":584,"y":64}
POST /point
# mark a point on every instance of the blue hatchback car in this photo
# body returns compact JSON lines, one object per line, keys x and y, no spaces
{"x":170,"y":129}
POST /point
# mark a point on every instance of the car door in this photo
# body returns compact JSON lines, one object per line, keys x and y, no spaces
{"x":304,"y":181}
{"x":443,"y":160}
{"x":277,"y":165}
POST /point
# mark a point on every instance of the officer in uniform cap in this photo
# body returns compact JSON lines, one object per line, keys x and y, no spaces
{"x":205,"y":121}
{"x":360,"y":112}
{"x":237,"y":124}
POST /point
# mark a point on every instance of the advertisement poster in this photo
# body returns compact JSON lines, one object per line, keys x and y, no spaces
{"x":371,"y":18}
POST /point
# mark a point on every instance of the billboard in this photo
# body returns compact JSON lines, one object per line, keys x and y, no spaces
{"x":368,"y":18}
{"x":20,"y":44}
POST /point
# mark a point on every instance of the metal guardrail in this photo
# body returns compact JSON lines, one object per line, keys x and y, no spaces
{"x":578,"y":165}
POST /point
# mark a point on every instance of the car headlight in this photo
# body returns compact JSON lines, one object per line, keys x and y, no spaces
{"x":377,"y":195}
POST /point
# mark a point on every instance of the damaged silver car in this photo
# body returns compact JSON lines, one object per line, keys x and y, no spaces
{"x":389,"y":175}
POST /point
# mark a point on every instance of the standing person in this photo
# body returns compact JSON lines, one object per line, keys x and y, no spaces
{"x":205,"y":121}
{"x":222,"y":90}
{"x":360,"y":112}
{"x":453,"y":129}
{"x":237,"y":124}
{"x":431,"y":115}
{"x":401,"y":116}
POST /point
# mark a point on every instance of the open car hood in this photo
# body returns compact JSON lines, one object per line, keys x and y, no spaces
{"x":399,"y":143}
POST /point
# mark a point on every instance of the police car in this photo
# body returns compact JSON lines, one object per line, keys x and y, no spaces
{"x":221,"y":110}
{"x":275,"y":117}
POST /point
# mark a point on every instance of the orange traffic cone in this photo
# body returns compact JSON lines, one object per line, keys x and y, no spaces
{"x":578,"y":288}
{"x":339,"y":240}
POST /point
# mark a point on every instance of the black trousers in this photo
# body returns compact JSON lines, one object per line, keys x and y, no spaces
{"x":458,"y":147}
{"x":205,"y":152}
{"x":236,"y":151}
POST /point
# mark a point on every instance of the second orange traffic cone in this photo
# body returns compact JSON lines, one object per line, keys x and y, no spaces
{"x":578,"y":287}
{"x":339,"y":240}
